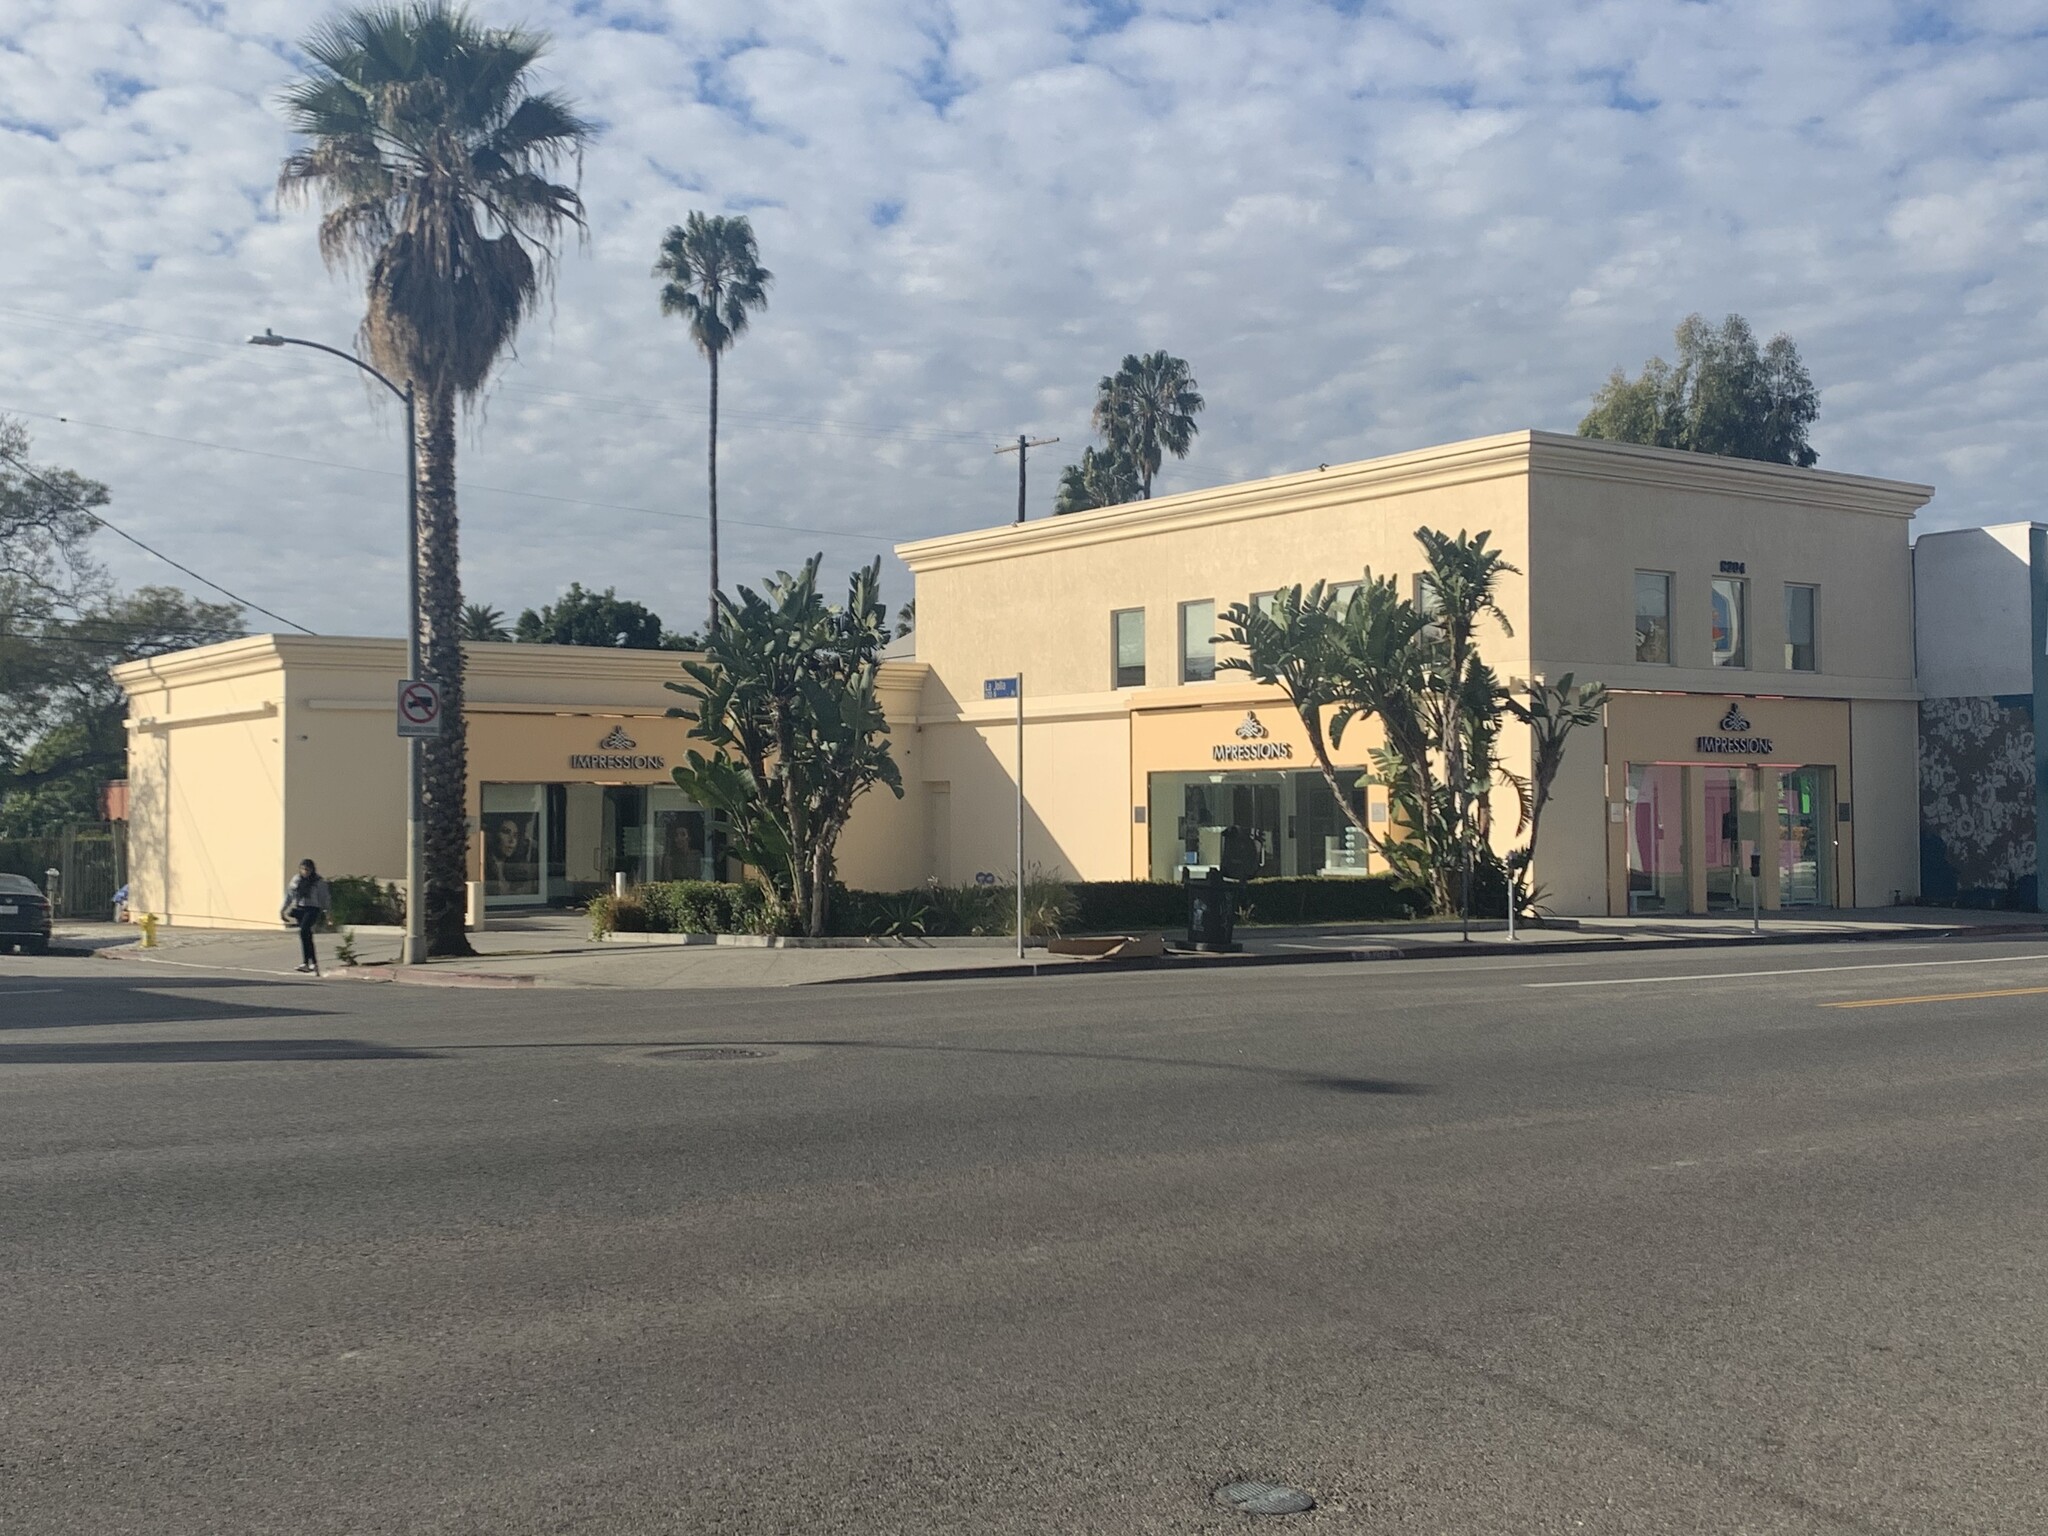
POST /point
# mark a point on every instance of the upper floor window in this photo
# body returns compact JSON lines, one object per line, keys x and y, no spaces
{"x":1127,"y":635}
{"x":1265,"y":602}
{"x":1802,"y":616}
{"x":1341,"y":593}
{"x":1729,"y":602}
{"x":1198,"y":641}
{"x":1653,"y":616}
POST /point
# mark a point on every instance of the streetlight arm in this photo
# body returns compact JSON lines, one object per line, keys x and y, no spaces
{"x":271,"y":339}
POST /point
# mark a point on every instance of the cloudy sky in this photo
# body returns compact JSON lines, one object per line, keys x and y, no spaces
{"x":1369,"y":227}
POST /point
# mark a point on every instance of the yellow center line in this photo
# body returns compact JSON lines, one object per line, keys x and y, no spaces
{"x":1938,"y":997}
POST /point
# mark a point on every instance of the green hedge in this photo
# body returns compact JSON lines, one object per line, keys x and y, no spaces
{"x":686,"y":906}
{"x":360,"y":901}
{"x":1115,"y":906}
{"x":1050,"y":907}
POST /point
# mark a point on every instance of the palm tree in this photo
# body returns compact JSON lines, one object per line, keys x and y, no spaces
{"x":1105,"y":477}
{"x":714,"y":279}
{"x":1146,"y":409}
{"x":481,"y":622}
{"x":430,"y":150}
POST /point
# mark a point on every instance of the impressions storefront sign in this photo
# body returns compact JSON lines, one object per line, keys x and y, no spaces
{"x":617,"y":753}
{"x":1253,"y":744}
{"x":1730,"y":743}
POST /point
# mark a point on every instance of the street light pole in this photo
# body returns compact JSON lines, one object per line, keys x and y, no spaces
{"x":413,"y":949}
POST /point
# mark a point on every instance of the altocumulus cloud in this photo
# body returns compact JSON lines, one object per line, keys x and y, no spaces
{"x":1370,"y":227}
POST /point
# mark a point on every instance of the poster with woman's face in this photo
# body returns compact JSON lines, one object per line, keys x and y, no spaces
{"x":511,"y":859}
{"x":678,"y":845}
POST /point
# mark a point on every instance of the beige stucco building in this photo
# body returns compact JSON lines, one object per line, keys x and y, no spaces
{"x":248,"y":756}
{"x":1754,"y":623}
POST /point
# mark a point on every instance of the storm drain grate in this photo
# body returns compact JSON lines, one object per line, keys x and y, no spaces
{"x":1264,"y":1499}
{"x":710,"y":1053}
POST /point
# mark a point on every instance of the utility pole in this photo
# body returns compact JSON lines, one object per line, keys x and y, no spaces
{"x":1022,"y":448}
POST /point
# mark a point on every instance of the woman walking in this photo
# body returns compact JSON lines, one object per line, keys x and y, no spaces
{"x":306,"y":902}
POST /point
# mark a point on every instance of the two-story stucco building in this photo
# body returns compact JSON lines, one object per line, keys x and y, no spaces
{"x":1753,"y":623}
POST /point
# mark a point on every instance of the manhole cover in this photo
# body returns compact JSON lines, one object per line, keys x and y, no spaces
{"x":709,"y":1053}
{"x":1264,"y":1499}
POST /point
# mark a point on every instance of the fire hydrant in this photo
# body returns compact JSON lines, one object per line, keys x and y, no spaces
{"x":149,"y":930}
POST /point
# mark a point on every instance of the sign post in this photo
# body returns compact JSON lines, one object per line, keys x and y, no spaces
{"x":1013,"y":688}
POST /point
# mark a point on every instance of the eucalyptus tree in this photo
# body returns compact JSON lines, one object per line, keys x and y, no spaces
{"x":433,"y":152}
{"x":785,"y":694}
{"x":1723,"y":395}
{"x":712,"y":276}
{"x":1146,"y":410}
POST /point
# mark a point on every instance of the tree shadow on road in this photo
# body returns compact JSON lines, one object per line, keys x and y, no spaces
{"x":34,"y":1002}
{"x":144,"y":1052}
{"x":1323,"y":1080}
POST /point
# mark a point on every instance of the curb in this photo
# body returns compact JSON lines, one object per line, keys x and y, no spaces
{"x":414,"y":976}
{"x":1188,"y":962}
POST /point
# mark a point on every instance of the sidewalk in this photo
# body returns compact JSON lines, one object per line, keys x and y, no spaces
{"x":552,"y":949}
{"x":555,"y":949}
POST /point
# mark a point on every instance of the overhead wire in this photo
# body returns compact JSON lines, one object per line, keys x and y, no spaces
{"x":856,"y":535}
{"x":911,"y":432}
{"x":205,"y":581}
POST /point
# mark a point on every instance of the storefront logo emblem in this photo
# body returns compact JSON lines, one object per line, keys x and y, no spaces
{"x":1744,"y":746}
{"x":616,"y":752}
{"x":1251,"y":745}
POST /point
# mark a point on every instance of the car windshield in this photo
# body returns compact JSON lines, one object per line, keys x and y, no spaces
{"x":19,"y":885}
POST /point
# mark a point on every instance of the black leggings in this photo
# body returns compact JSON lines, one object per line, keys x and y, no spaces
{"x":308,"y":918}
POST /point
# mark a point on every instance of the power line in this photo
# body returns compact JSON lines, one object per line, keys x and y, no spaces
{"x":79,"y":506}
{"x":647,"y":410}
{"x":855,"y":535}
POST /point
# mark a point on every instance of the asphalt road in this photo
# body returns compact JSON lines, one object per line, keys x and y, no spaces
{"x":1644,"y":1245}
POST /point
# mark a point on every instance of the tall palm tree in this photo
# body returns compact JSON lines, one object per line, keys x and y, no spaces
{"x":1147,"y":410}
{"x":430,"y":150}
{"x":713,"y":277}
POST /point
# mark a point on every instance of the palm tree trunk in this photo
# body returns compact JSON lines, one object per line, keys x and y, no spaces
{"x":711,"y":623}
{"x":444,"y":772}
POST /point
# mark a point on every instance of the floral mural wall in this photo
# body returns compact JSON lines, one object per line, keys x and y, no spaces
{"x":1977,"y":801}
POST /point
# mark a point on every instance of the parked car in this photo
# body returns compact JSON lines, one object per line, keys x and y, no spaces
{"x":24,"y":915}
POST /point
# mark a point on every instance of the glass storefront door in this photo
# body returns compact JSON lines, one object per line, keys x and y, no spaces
{"x":1656,"y":838}
{"x":1806,"y":844}
{"x":1693,"y":828}
{"x":1732,"y":832}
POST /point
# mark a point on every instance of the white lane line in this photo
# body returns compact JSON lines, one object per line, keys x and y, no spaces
{"x":1804,"y":970}
{"x":28,"y":991}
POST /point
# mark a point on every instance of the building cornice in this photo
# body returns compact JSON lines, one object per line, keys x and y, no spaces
{"x":1477,"y":459}
{"x":1582,"y":458}
{"x":1486,"y":458}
